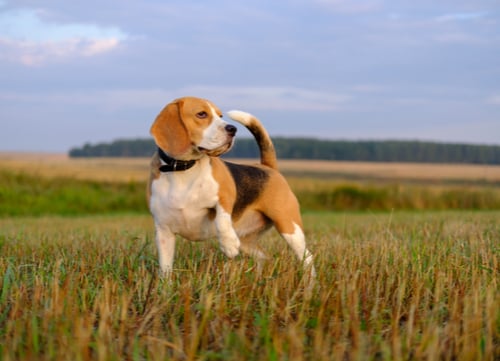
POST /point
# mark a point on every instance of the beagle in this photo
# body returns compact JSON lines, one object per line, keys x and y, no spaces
{"x":195,"y":194}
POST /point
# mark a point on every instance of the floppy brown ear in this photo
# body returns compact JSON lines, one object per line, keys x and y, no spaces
{"x":169,"y":131}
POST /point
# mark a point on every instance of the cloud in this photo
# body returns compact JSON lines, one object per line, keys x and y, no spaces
{"x":349,"y":6}
{"x":461,"y":16}
{"x":272,"y":97}
{"x":247,"y":98}
{"x":28,"y":39}
{"x":460,"y":38}
{"x":32,"y":53}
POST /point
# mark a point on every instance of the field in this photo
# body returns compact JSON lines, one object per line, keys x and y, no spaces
{"x":136,"y":169}
{"x":415,"y":284}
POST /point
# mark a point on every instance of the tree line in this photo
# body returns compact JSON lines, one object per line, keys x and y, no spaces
{"x":310,"y":148}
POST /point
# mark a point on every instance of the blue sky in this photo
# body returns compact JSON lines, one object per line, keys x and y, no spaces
{"x":89,"y":71}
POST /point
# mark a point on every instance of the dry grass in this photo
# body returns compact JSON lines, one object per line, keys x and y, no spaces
{"x":137,"y":169}
{"x":407,"y":286}
{"x":390,"y":287}
{"x":60,"y":165}
{"x":416,"y":171}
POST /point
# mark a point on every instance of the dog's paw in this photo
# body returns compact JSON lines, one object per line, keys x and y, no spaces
{"x":230,"y":247}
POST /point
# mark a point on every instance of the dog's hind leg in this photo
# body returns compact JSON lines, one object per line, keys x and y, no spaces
{"x":296,"y":241}
{"x":290,"y":228}
{"x":284,"y":212}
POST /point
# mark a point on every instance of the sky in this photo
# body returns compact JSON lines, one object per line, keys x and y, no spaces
{"x":73,"y":72}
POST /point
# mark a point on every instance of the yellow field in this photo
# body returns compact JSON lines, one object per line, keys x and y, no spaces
{"x":137,"y":169}
{"x":60,"y":165}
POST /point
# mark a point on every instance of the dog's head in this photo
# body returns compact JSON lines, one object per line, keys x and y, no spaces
{"x":189,"y":127}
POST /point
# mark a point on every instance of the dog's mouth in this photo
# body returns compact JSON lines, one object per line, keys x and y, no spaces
{"x":217,"y":151}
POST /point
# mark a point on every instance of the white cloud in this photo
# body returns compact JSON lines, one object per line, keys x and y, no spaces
{"x":99,"y":46}
{"x":461,"y":16}
{"x":31,"y":53}
{"x":28,"y":39}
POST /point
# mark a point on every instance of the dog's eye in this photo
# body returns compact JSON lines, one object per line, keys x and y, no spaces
{"x":202,"y":114}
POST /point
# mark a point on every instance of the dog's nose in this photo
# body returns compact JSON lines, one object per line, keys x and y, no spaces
{"x":230,"y":129}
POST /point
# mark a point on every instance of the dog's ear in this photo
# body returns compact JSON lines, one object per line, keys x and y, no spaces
{"x":169,"y":131}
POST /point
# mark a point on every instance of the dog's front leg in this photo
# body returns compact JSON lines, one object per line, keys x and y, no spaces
{"x":228,"y":239}
{"x":165,"y":242}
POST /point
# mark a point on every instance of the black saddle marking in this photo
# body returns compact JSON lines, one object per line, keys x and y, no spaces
{"x":250,"y":182}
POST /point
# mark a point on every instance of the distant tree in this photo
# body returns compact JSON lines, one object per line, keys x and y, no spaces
{"x":308,"y":148}
{"x":118,"y":148}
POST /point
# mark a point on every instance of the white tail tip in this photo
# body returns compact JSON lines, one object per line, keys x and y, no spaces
{"x":241,"y":117}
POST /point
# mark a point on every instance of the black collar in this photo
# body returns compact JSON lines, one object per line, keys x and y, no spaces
{"x":173,"y":165}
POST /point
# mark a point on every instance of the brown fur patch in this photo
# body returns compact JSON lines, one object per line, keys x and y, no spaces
{"x":170,"y":132}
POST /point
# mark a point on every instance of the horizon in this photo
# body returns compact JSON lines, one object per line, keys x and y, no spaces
{"x":250,"y":137}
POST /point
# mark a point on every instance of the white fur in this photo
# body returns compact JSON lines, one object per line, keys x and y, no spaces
{"x":215,"y":135}
{"x":180,"y":200}
{"x":178,"y":203}
{"x":165,"y":242}
{"x":228,"y":240}
{"x":241,"y":117}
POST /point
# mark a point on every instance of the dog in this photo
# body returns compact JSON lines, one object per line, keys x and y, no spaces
{"x":195,"y":194}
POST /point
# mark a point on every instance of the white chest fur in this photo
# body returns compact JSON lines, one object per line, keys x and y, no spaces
{"x":182,"y":201}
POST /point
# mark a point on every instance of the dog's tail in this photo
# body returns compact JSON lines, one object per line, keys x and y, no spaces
{"x":267,"y":152}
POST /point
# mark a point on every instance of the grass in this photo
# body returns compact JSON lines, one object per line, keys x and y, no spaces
{"x":385,"y":197}
{"x":23,"y":194}
{"x":79,"y":272}
{"x":32,"y":184}
{"x":421,"y":286}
